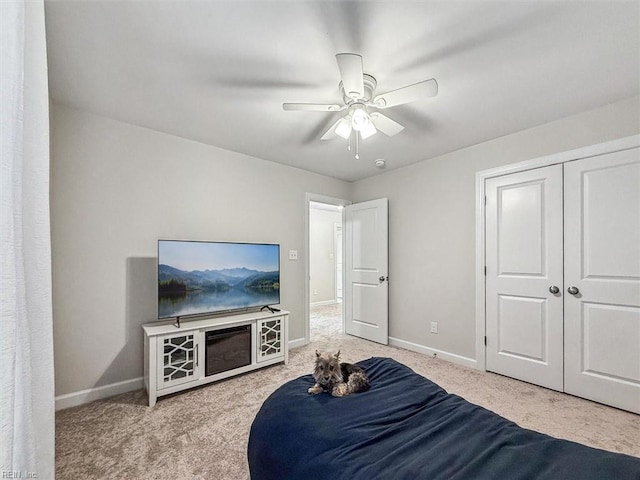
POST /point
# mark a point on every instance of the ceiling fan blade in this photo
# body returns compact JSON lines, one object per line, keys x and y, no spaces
{"x":385,"y":124}
{"x":311,"y":107}
{"x":331,"y":133}
{"x":350,"y":66}
{"x":410,"y":93}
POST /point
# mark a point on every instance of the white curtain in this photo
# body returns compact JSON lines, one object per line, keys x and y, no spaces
{"x":26,"y":339}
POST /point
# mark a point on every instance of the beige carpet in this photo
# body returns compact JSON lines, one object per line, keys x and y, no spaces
{"x":202,"y":433}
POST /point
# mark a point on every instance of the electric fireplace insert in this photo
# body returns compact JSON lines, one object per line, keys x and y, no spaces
{"x":227,"y":349}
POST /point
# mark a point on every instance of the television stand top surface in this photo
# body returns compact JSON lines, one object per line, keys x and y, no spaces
{"x":168,"y":326}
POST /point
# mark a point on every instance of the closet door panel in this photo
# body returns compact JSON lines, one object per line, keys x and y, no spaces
{"x":602,"y":264}
{"x":524,"y":259}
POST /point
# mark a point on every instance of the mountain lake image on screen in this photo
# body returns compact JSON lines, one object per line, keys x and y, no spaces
{"x":205,"y":277}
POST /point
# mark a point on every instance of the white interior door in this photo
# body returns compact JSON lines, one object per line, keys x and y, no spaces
{"x":366,"y":269}
{"x":524,"y":324}
{"x":602,"y":263}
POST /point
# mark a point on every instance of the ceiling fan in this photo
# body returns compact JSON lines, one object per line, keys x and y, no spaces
{"x":361,"y":102}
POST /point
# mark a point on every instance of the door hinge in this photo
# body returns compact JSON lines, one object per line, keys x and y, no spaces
{"x":485,"y":340}
{"x":485,"y":199}
{"x":485,"y":270}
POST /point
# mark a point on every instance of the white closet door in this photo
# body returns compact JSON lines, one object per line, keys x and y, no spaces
{"x":602,"y":262}
{"x":524,"y":261}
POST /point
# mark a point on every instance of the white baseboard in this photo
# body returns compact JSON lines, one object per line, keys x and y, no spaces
{"x":298,"y":342}
{"x":91,"y":394}
{"x":85,"y":396}
{"x":450,"y":357}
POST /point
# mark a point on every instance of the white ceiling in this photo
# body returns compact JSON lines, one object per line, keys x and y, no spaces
{"x":218,"y":72}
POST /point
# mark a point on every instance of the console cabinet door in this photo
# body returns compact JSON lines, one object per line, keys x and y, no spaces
{"x":270,"y":338}
{"x":178,"y":358}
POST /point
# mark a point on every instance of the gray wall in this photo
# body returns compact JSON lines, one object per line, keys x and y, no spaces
{"x":116,"y":189}
{"x":432,"y":223}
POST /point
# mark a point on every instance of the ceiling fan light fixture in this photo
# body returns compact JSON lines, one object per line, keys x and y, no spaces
{"x":344,"y":127}
{"x":367,"y":130}
{"x":359,"y":118}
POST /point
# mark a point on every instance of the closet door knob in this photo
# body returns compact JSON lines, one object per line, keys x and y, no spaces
{"x":553,"y":289}
{"x":573,"y":290}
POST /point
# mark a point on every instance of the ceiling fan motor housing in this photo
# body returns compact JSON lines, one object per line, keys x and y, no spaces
{"x":369,"y":88}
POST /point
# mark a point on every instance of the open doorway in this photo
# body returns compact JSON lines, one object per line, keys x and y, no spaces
{"x":325,"y":285}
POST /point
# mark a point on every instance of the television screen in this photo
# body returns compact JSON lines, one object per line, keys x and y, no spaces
{"x":206,"y":277}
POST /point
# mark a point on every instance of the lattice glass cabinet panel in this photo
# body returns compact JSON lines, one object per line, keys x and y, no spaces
{"x":269,"y":338}
{"x":179,"y":359}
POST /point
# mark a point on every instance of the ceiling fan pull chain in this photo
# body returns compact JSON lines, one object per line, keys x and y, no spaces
{"x":349,"y":143}
{"x":357,"y":147}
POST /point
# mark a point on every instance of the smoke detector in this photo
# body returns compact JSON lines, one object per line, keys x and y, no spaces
{"x":380,"y":163}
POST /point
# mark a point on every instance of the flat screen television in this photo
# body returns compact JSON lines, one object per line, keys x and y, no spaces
{"x":197,"y":278}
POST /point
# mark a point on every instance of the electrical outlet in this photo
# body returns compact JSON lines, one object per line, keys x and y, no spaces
{"x":434,"y":327}
{"x":293,"y":254}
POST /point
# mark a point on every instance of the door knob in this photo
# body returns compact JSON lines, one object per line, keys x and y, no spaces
{"x":573,"y":290}
{"x":383,"y":278}
{"x":553,"y":289}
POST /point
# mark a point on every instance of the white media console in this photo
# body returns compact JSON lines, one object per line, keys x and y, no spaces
{"x":199,"y":351}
